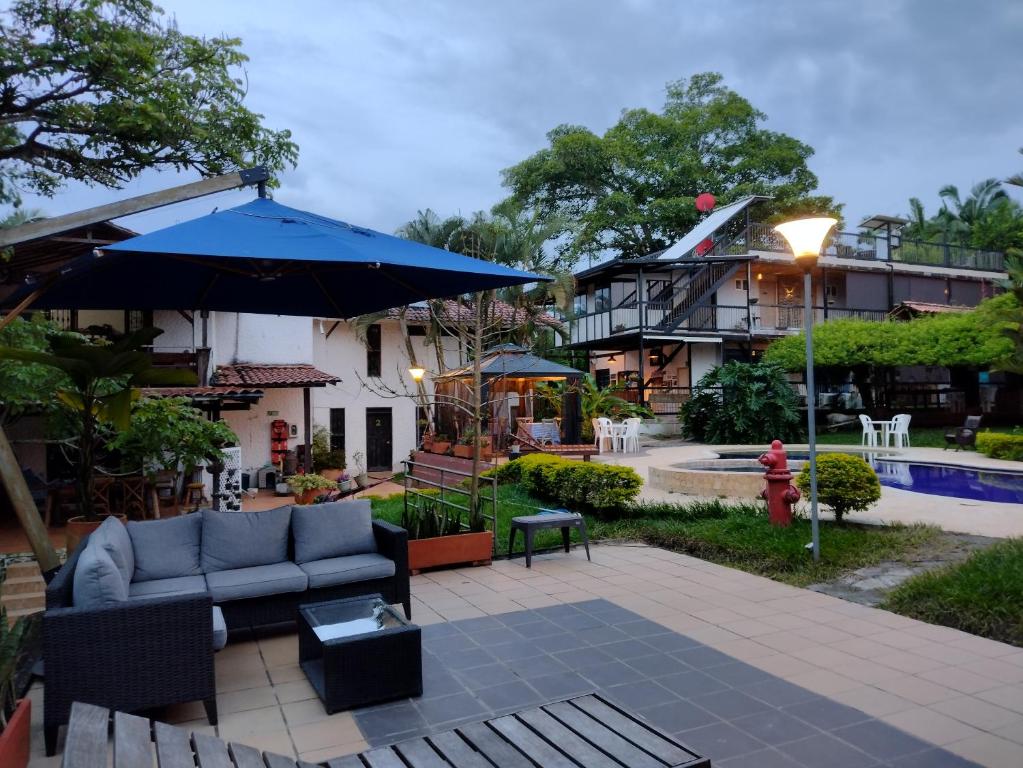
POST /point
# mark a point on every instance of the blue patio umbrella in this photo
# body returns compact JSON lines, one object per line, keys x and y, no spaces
{"x":266,"y":258}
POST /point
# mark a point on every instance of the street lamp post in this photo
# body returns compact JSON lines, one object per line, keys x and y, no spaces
{"x":806,"y":237}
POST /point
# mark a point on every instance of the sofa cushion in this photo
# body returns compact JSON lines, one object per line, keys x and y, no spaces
{"x":348,"y":569}
{"x":180,"y":585}
{"x":113,"y":537}
{"x":98,"y":582}
{"x":256,"y":581}
{"x":332,"y":529}
{"x":166,"y":549}
{"x":232,"y":540}
{"x":219,"y":629}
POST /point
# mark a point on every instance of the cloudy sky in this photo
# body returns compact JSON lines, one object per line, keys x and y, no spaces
{"x":399,"y":106}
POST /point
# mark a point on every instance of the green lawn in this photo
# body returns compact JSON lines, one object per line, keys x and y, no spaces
{"x":735,"y":535}
{"x":982,"y":595}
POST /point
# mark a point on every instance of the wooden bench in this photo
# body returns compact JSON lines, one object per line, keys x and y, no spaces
{"x":527,"y":443}
{"x":584,"y":731}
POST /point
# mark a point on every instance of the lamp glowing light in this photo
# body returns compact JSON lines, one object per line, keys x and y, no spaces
{"x":806,"y":236}
{"x":417,"y":374}
{"x":612,"y":359}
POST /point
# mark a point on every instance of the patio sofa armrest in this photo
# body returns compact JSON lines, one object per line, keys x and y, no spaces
{"x":128,"y":656}
{"x":392,"y":543}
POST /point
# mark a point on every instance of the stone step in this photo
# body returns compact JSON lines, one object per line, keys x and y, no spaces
{"x":17,"y":613}
{"x":23,"y":570}
{"x":34,"y":601}
{"x":22,"y":585}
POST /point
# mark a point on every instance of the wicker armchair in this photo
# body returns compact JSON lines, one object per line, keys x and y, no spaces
{"x":128,"y":657}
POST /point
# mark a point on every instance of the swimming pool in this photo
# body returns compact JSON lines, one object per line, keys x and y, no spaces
{"x":934,"y":479}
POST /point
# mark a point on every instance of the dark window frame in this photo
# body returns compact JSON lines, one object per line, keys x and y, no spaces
{"x":374,"y":351}
{"x":337,"y":436}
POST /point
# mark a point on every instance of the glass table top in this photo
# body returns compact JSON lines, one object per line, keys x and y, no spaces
{"x":349,"y":618}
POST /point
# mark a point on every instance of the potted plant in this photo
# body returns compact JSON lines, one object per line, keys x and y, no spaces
{"x":463,"y":449}
{"x":101,"y":381}
{"x":428,"y":440}
{"x":344,"y":482}
{"x":441,"y":444}
{"x":15,"y":713}
{"x":361,"y":478}
{"x":307,"y":487}
{"x":437,"y":536}
{"x":328,"y":462}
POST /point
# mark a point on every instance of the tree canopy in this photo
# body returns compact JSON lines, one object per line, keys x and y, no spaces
{"x":987,"y":218}
{"x":975,"y":338}
{"x":100,"y":90}
{"x":633,"y":189}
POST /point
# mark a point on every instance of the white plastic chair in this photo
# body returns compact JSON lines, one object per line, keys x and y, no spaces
{"x":628,"y":439}
{"x":603,"y":434}
{"x":900,"y":430}
{"x":870,"y":435}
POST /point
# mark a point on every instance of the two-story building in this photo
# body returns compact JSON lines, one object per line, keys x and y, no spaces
{"x":658,"y":323}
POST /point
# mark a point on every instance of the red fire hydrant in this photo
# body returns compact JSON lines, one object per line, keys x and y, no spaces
{"x":779,"y":491}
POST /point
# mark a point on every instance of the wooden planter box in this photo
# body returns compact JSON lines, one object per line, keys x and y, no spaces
{"x":465,"y":548}
{"x":462,"y":451}
{"x":14,"y":741}
{"x":440,"y":447}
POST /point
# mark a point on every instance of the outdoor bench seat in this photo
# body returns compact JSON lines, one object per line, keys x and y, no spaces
{"x":256,"y":581}
{"x":348,"y":569}
{"x":135,"y":614}
{"x":178,"y":585}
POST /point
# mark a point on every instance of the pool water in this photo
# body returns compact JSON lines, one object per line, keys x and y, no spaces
{"x":934,"y":479}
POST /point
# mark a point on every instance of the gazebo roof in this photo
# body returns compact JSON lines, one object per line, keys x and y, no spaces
{"x":513,"y":361}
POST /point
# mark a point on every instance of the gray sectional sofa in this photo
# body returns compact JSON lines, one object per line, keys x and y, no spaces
{"x":133,"y":618}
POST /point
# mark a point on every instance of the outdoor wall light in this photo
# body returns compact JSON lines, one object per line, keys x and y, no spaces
{"x":806,"y":238}
{"x":612,"y":359}
{"x":417,"y":374}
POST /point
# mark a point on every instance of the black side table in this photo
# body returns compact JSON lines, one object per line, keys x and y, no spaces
{"x":529,"y":524}
{"x":359,"y":651}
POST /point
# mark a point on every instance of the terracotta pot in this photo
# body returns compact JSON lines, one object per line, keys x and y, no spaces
{"x":462,"y":451}
{"x":440,"y":447}
{"x":78,"y":528}
{"x":14,"y":740}
{"x":309,"y":497}
{"x":475,"y":548}
{"x":331,"y":474}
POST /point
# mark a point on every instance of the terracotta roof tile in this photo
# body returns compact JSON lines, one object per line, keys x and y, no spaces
{"x":266,"y":375}
{"x":202,"y":392}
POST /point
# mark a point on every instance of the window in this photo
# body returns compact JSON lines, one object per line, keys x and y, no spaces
{"x":742,"y":285}
{"x":602,"y":299}
{"x":580,"y":304}
{"x":337,"y":429}
{"x":373,"y":355}
{"x":603,"y":378}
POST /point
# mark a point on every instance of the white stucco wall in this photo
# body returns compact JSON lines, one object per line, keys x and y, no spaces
{"x":246,"y":338}
{"x":253,"y":426}
{"x":703,"y":357}
{"x":344,"y":355}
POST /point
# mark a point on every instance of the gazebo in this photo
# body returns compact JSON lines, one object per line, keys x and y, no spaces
{"x":509,"y":374}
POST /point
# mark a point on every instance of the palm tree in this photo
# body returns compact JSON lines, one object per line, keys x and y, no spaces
{"x":962,"y":215}
{"x":1016,"y":179}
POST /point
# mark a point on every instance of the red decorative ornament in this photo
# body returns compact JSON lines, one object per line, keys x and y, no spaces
{"x":704,"y":246}
{"x":705,"y":202}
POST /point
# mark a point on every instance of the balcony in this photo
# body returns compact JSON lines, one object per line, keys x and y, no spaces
{"x":765,"y":320}
{"x":867,"y":247}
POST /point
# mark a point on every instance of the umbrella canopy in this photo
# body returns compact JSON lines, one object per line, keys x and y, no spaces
{"x":267,"y":258}
{"x":515,"y":362}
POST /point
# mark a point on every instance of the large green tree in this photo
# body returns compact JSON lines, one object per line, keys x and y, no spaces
{"x":99,"y":91}
{"x":986,"y":218}
{"x":633,"y":189}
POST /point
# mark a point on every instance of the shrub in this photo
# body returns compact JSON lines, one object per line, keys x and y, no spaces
{"x":999,"y":445}
{"x":743,"y":403}
{"x":577,"y":485}
{"x":845,"y":483}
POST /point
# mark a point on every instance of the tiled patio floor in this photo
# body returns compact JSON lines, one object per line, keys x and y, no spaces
{"x":946,"y":688}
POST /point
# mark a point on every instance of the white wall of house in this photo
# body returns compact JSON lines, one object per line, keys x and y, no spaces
{"x":703,"y":357}
{"x":253,"y":426}
{"x":246,"y":338}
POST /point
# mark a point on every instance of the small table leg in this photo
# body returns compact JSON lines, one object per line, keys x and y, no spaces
{"x":511,"y":540}
{"x":566,"y":533}
{"x":529,"y":547}
{"x":585,"y":537}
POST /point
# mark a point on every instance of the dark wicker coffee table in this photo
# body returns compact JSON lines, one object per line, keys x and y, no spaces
{"x":359,"y":651}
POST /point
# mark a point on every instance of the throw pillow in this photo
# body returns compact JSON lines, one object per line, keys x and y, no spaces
{"x":113,"y":537}
{"x":243,"y":539}
{"x":167,"y":549}
{"x":97,"y":581}
{"x":333,"y":529}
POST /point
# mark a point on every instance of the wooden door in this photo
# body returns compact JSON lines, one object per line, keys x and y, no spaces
{"x":378,"y":440}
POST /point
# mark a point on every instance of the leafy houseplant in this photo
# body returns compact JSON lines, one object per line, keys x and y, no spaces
{"x":169,"y":433}
{"x":845,"y":483}
{"x":14,"y":714}
{"x":437,"y":535}
{"x":100,"y":390}
{"x":307,"y":487}
{"x":326,"y":461}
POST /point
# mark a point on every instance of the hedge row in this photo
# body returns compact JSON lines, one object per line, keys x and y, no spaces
{"x":999,"y":445}
{"x":577,"y":485}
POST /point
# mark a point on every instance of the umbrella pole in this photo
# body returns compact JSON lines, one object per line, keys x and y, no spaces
{"x":14,"y":481}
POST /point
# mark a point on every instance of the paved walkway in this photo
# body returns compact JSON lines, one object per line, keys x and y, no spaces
{"x":982,"y":518}
{"x":946,"y":687}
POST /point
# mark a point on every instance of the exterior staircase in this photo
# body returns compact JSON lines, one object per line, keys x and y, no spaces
{"x":23,"y":591}
{"x":696,"y":293}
